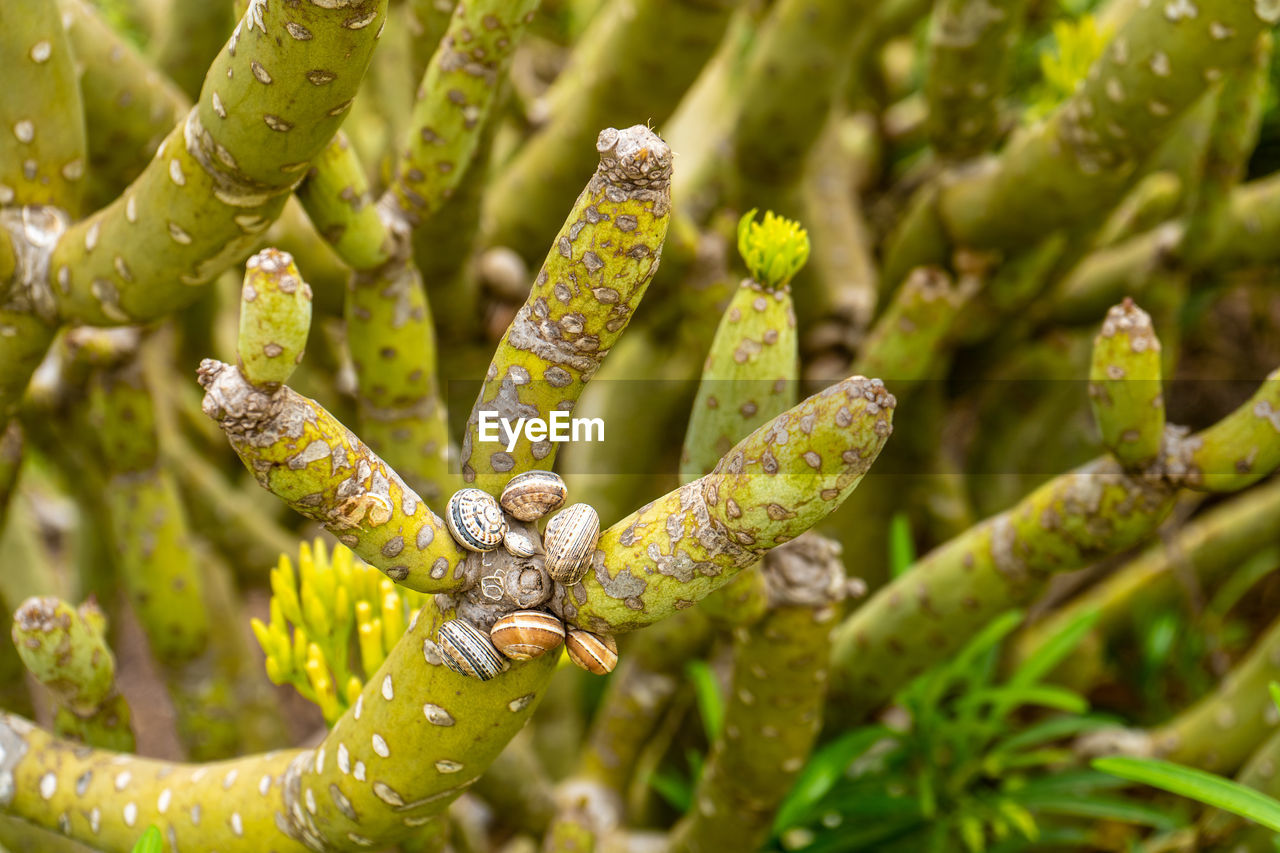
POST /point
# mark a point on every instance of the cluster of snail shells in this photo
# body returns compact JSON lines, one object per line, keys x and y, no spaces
{"x":481,"y":523}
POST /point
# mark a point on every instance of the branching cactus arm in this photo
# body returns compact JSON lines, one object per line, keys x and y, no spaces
{"x":1124,"y":386}
{"x":417,"y":737}
{"x":272,"y":100}
{"x":299,"y":452}
{"x":64,"y":648}
{"x":601,"y":87}
{"x":969,"y":61}
{"x":1000,"y":564}
{"x":774,"y":712}
{"x":129,"y":106}
{"x":593,"y":278}
{"x":455,"y":99}
{"x":1083,"y":155}
{"x":42,"y":152}
{"x":907,"y":338}
{"x":775,"y":484}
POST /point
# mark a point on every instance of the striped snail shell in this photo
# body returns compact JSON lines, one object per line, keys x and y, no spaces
{"x":596,"y":653}
{"x":533,"y":494}
{"x":526,"y":634}
{"x":522,"y":540}
{"x":475,"y":519}
{"x":570,"y":542}
{"x":467,"y":650}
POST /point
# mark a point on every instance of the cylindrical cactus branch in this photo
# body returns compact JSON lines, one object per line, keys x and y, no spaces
{"x":612,"y":77}
{"x":797,"y":67}
{"x":299,"y":452}
{"x":591,"y":803}
{"x":1083,"y":155}
{"x":1209,"y":546}
{"x":1221,"y":730}
{"x":340,"y":204}
{"x":774,"y":709}
{"x":275,"y":318}
{"x":272,"y":100}
{"x":1241,"y":102}
{"x":417,"y":737}
{"x":454,"y":101}
{"x":1072,"y":520}
{"x":1240,"y":449}
{"x":1124,"y":386}
{"x":64,"y":648}
{"x":1252,"y":218}
{"x":581,"y":301}
{"x":970,"y":55}
{"x":750,"y":376}
{"x":42,"y":152}
{"x":906,"y":340}
{"x":303,"y":455}
{"x":11,"y":445}
{"x":775,"y":484}
{"x":129,"y":107}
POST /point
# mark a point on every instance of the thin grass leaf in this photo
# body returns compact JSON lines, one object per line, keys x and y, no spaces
{"x":902,"y":547}
{"x":1099,"y":808}
{"x":710,"y":702}
{"x":150,"y":842}
{"x":1197,"y":785}
{"x":825,"y":767}
{"x":1055,"y":650}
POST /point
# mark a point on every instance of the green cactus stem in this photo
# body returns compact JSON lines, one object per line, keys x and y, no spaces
{"x":1240,"y":449}
{"x":518,"y":788}
{"x":11,"y":444}
{"x":340,"y":204}
{"x":1124,"y":386}
{"x":457,"y":94}
{"x":353,"y":790}
{"x":1208,"y":547}
{"x":907,"y":339}
{"x":129,"y":107}
{"x":591,"y":802}
{"x":1152,"y":200}
{"x":275,"y":318}
{"x":42,"y":153}
{"x":1083,"y":156}
{"x":1219,"y":732}
{"x":612,"y":77}
{"x":970,"y":44}
{"x":1241,"y":102}
{"x":64,"y":648}
{"x":775,"y":484}
{"x":774,"y":710}
{"x":300,"y":453}
{"x":796,"y":68}
{"x":1003,"y":562}
{"x":581,"y":301}
{"x":272,"y":100}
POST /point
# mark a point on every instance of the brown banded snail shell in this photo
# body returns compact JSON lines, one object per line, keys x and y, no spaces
{"x":533,"y":494}
{"x":467,"y":650}
{"x":570,"y":542}
{"x":527,"y":634}
{"x":522,"y":540}
{"x":596,"y":653}
{"x":475,"y":519}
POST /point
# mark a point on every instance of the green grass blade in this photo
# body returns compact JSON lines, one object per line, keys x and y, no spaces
{"x":1197,"y":785}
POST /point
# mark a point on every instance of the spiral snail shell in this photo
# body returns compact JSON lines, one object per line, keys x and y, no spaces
{"x":475,"y":519}
{"x":570,"y":541}
{"x":467,"y":650}
{"x":596,"y":653}
{"x":526,"y":634}
{"x":533,"y":494}
{"x":521,"y":540}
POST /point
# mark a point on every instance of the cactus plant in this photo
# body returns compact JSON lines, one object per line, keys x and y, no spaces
{"x":291,"y":293}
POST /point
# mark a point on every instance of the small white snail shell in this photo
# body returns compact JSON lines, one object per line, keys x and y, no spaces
{"x":527,"y":634}
{"x":570,"y":542}
{"x":533,"y":494}
{"x":467,"y":650}
{"x":475,"y":519}
{"x":522,"y":540}
{"x":596,"y":653}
